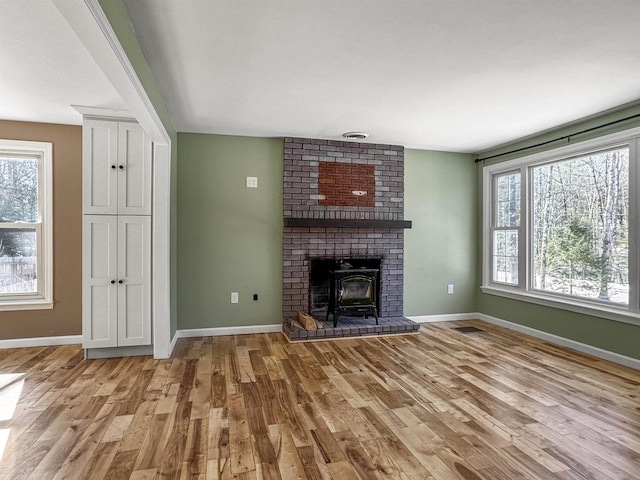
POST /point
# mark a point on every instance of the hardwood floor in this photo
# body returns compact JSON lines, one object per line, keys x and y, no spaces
{"x":439,"y":404}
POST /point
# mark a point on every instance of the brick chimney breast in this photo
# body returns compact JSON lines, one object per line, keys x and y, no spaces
{"x":325,"y":179}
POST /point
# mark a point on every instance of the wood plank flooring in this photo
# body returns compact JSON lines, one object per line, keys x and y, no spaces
{"x":435,"y":405}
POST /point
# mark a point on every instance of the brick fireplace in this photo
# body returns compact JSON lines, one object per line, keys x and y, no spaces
{"x":343,"y":200}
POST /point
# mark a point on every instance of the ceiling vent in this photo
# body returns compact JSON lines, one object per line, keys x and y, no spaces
{"x":355,"y":135}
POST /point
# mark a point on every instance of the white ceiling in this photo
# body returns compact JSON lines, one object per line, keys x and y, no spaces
{"x":44,"y":69}
{"x":460,"y":75}
{"x":456,"y":75}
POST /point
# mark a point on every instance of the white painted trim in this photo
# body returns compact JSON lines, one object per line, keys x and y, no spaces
{"x":104,"y":113}
{"x":161,"y":251}
{"x":634,"y":227}
{"x":148,"y":111}
{"x":451,"y":317}
{"x":567,"y":303}
{"x":525,"y":291}
{"x":565,"y":342}
{"x":47,"y":228}
{"x":172,"y":345}
{"x":43,"y":298}
{"x":218,"y":331}
{"x":16,"y":305}
{"x":549,"y":337}
{"x":116,"y":352}
{"x":89,"y":22}
{"x":40,"y":341}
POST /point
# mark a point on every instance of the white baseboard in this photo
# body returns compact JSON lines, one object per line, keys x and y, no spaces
{"x":40,"y":341}
{"x":451,"y":317}
{"x":565,"y":342}
{"x":117,"y":352}
{"x":173,"y":344}
{"x":217,"y":331}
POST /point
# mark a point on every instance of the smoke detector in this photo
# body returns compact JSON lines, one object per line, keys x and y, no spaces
{"x":355,"y":135}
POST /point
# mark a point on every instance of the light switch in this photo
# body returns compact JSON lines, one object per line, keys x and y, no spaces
{"x":252,"y":182}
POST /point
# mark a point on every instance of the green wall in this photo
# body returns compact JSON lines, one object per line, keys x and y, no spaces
{"x":230,"y":236}
{"x":231,"y":240}
{"x":610,"y":335}
{"x":569,"y":129}
{"x":440,"y":248}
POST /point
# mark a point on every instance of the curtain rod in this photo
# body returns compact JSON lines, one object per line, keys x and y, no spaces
{"x":559,"y":138}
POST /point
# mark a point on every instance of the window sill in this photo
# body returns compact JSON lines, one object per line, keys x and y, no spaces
{"x":16,"y":305}
{"x":618,"y":314}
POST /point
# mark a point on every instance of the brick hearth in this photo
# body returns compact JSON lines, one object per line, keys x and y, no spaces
{"x":337,"y":180}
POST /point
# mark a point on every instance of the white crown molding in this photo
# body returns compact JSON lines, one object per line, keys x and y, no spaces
{"x":100,"y":112}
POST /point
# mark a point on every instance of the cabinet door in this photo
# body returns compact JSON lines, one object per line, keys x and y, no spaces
{"x":134,"y":271}
{"x":100,"y":167}
{"x":134,"y":170}
{"x":99,"y":285}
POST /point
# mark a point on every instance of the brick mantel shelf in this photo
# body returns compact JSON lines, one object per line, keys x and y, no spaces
{"x":342,"y":223}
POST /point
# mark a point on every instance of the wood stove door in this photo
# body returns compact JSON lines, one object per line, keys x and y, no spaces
{"x":356,"y":290}
{"x":353,"y":293}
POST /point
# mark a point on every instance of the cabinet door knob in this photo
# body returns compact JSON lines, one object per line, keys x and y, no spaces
{"x":113,"y":167}
{"x":112,"y":282}
{"x":120,"y":281}
{"x":121,"y":167}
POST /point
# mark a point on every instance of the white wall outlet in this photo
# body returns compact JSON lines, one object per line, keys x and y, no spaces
{"x":234,"y":297}
{"x":252,"y":182}
{"x":450,"y":289}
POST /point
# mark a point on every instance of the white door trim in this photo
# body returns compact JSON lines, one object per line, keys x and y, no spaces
{"x":89,"y":22}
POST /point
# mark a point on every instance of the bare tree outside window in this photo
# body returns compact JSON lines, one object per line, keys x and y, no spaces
{"x":581,"y":225}
{"x":19,"y":224}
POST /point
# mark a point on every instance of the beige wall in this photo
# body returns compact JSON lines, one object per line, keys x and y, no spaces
{"x":65,"y":318}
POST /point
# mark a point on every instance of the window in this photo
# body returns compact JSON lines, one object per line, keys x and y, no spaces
{"x":506,"y":228}
{"x":559,"y":227}
{"x":25,"y":225}
{"x":580,"y":226}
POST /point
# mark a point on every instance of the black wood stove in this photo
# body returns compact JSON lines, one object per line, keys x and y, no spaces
{"x":353,"y":291}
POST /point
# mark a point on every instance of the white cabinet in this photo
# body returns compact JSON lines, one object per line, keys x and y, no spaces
{"x":116,"y":296}
{"x":116,"y":237}
{"x":117,"y":162}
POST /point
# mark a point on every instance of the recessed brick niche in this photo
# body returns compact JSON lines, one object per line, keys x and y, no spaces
{"x":346,"y":184}
{"x":367,"y":187}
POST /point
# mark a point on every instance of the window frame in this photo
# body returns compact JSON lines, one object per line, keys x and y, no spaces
{"x":524,"y":291}
{"x":43,"y":298}
{"x":494,"y":225}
